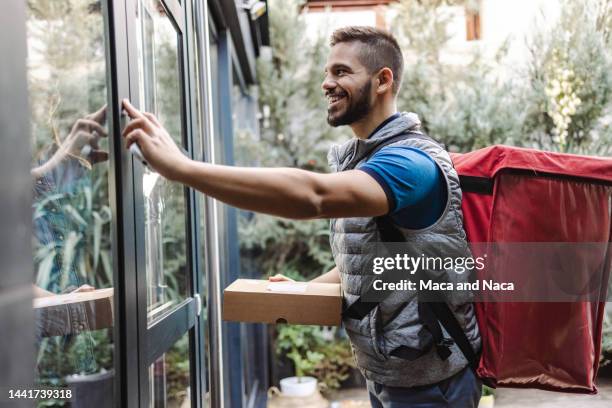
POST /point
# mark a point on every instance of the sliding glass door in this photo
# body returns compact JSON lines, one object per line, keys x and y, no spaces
{"x":114,"y":243}
{"x":119,"y":254}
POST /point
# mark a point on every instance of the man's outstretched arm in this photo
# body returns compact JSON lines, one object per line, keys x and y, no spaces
{"x":284,"y":192}
{"x":332,"y":276}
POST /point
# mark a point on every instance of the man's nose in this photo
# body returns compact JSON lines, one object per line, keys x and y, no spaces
{"x":328,"y":84}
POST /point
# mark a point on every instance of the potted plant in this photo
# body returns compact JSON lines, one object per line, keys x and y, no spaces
{"x":91,"y":390}
{"x":488,"y":397}
{"x":91,"y":380}
{"x":298,"y":344}
{"x":301,"y":385}
{"x":338,"y":364}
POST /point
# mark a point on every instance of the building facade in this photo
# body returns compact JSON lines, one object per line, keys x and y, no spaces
{"x":482,"y":24}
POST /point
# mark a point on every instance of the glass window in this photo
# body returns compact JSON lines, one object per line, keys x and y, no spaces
{"x":72,"y":268}
{"x":165,"y":203}
{"x":169,"y":377}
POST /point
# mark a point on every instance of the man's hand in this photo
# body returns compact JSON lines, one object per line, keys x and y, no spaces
{"x":40,"y":292}
{"x":332,"y":276}
{"x":156,"y":145}
{"x":84,"y":137}
{"x":84,"y":288}
{"x":279,"y":277}
{"x":81,"y":143}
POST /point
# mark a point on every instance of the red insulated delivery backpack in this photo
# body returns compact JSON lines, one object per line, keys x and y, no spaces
{"x":545,"y":219}
{"x":516,"y":195}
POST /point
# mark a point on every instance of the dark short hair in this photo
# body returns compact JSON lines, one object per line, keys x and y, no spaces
{"x":380,"y":49}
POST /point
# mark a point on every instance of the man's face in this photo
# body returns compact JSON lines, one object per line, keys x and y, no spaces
{"x":347,"y":85}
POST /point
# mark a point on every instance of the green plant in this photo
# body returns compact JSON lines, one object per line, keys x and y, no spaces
{"x":465,"y":106}
{"x":486,"y":391}
{"x":177,"y":370}
{"x":85,"y":353}
{"x":316,"y":351}
{"x":81,"y":249}
{"x":336,"y":364}
{"x":559,"y":98}
{"x":298,"y":344}
{"x":304,"y":363}
{"x":569,"y":94}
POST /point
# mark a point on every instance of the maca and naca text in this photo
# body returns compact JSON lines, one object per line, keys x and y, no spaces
{"x":430,"y":285}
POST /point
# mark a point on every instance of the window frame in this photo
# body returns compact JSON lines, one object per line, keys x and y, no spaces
{"x":150,"y":341}
{"x":136,"y":344}
{"x":16,"y":314}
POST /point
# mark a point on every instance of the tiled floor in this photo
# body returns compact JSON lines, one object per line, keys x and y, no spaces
{"x":508,"y":398}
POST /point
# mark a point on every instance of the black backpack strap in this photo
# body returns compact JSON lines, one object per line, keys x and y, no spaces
{"x":446,"y":317}
{"x":479,"y":185}
{"x":435,"y":337}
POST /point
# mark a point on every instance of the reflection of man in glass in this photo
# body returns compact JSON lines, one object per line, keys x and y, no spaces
{"x":81,"y":144}
{"x":58,"y":180}
{"x":69,"y":201}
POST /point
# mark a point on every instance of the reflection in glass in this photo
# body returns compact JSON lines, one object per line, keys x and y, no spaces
{"x":73,"y":275}
{"x":164,"y":201}
{"x":169,"y":377}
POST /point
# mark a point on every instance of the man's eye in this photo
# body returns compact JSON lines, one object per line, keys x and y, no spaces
{"x":341,"y":72}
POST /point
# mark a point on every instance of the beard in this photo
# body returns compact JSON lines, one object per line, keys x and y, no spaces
{"x":356,"y":110}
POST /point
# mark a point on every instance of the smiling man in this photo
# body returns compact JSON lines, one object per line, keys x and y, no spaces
{"x":390,"y":179}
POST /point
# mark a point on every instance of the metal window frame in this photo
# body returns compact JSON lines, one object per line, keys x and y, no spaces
{"x":205,"y":31}
{"x":233,"y":351}
{"x":208,"y":267}
{"x":136,"y":345}
{"x":150,"y":341}
{"x":197,"y":335}
{"x":122,"y":227}
{"x":16,"y":314}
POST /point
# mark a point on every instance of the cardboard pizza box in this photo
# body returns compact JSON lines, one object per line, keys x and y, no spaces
{"x":74,"y":313}
{"x":261,"y":301}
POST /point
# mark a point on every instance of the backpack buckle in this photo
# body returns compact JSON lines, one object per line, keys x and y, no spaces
{"x":443,"y":348}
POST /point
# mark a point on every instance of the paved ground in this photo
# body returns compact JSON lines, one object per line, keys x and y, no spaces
{"x":508,"y":398}
{"x":512,"y":398}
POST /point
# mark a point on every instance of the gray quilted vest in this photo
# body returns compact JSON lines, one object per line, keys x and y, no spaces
{"x":395,"y":321}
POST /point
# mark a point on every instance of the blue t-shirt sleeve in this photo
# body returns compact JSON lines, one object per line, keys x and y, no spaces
{"x":412,"y":181}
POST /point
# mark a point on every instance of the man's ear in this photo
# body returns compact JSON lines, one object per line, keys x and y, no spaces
{"x":385,"y":80}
